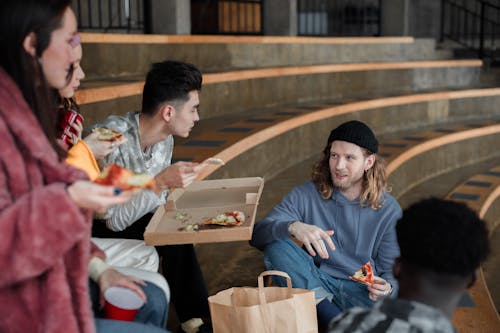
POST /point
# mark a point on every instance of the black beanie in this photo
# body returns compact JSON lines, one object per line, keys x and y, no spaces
{"x":355,"y":132}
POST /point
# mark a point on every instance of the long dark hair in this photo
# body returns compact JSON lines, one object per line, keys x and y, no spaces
{"x":18,"y":18}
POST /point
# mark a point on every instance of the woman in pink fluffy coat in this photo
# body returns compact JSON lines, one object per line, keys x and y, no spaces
{"x":45,"y":205}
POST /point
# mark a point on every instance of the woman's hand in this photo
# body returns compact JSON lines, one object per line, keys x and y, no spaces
{"x":96,"y":197}
{"x":111,"y":278}
{"x":101,"y":148}
{"x":76,"y":135}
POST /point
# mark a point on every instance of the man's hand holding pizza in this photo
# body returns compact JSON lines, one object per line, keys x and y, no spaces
{"x":313,"y":238}
{"x":177,"y":175}
{"x":379,"y":288}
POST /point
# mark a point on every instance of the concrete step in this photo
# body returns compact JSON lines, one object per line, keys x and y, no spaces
{"x":238,"y":91}
{"x":113,"y":55}
{"x":280,"y":133}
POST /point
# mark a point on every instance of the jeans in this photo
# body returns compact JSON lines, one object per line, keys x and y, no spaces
{"x":151,"y":316}
{"x":114,"y":326}
{"x":180,"y":268}
{"x":286,"y":256}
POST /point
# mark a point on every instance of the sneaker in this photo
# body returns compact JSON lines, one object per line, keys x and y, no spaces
{"x":204,"y":328}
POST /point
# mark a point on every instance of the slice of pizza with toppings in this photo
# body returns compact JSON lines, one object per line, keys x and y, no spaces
{"x":364,"y":274}
{"x":124,"y":179}
{"x":231,"y":219}
{"x":108,"y":134}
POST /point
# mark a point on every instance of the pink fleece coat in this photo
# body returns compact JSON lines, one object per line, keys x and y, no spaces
{"x":44,"y":236}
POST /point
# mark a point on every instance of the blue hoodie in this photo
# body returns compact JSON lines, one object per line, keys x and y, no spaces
{"x":361,"y":234}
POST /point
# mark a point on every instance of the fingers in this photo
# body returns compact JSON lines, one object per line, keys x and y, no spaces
{"x":319,"y":243}
{"x":328,"y":239}
{"x":320,"y":247}
{"x":380,"y":287}
{"x":128,"y":283}
{"x":309,"y":249}
{"x":77,"y":125}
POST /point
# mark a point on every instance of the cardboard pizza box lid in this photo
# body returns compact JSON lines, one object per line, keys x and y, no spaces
{"x":201,"y":201}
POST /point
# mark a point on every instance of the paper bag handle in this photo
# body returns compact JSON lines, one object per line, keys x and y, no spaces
{"x":262,"y":296}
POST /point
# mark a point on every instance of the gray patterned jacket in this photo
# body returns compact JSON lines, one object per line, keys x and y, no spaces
{"x":129,"y":155}
{"x":393,"y":316}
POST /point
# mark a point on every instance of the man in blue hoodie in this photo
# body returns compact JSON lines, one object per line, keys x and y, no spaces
{"x":344,"y":217}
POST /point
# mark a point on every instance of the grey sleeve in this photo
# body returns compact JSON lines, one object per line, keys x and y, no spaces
{"x":122,"y":216}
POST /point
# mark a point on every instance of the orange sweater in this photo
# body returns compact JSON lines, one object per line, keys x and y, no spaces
{"x":81,"y":157}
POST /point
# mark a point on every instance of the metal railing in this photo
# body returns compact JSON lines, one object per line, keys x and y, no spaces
{"x":111,"y":15}
{"x":339,"y":17}
{"x":236,"y":17}
{"x":475,"y":26}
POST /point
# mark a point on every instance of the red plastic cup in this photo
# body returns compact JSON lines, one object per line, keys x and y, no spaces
{"x":121,"y":303}
{"x":70,"y":116}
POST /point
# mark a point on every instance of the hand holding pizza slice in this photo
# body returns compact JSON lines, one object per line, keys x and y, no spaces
{"x":364,"y":274}
{"x":124,"y":179}
{"x":108,"y":134}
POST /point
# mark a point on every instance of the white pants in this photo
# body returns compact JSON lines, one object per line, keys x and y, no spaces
{"x":133,"y":257}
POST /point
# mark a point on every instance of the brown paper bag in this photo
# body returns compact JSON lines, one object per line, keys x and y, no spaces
{"x":264,"y":309}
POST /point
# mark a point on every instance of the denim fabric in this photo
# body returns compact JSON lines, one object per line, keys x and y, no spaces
{"x":114,"y":326}
{"x":153,"y":313}
{"x":286,"y":256}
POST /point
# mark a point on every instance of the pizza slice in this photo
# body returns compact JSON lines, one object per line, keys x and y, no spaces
{"x":231,"y":219}
{"x":108,"y":134}
{"x":364,"y":274}
{"x":124,"y":179}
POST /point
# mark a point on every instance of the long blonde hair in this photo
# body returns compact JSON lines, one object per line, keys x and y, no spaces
{"x":374,"y":179}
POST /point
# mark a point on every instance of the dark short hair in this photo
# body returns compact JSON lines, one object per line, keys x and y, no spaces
{"x":169,"y":81}
{"x":442,"y":236}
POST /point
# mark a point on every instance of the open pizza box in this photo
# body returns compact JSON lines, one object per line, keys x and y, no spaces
{"x":202,"y":201}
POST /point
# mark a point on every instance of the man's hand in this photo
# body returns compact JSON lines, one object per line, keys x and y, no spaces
{"x":313,"y":238}
{"x":178,"y":175}
{"x":111,"y":278}
{"x":379,"y":288}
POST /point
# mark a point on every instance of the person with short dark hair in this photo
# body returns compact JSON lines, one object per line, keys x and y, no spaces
{"x":442,"y":245}
{"x":344,"y":217}
{"x":170,"y":103}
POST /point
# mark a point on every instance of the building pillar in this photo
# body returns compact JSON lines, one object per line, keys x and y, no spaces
{"x":280,"y":17}
{"x":172,"y":17}
{"x":395,"y":18}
